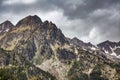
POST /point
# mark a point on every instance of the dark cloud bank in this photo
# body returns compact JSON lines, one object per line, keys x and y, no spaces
{"x":89,"y":20}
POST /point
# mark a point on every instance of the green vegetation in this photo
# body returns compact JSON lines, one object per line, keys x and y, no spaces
{"x":77,"y":72}
{"x":22,"y":73}
{"x":90,"y":67}
{"x":17,"y":67}
{"x":12,"y":73}
{"x":97,"y":73}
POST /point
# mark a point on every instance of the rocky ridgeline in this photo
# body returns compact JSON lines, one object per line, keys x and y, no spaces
{"x":38,"y":50}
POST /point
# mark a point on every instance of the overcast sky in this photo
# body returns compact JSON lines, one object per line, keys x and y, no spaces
{"x":89,"y":20}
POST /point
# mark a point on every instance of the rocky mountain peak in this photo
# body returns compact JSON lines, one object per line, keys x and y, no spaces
{"x":55,"y":34}
{"x":6,"y":26}
{"x":109,"y":43}
{"x":90,"y":44}
{"x":36,"y":50}
{"x":76,"y":39}
{"x":49,"y":25}
{"x":7,"y":22}
{"x":80,"y":43}
{"x":119,"y":42}
{"x":113,"y":48}
{"x":29,"y":20}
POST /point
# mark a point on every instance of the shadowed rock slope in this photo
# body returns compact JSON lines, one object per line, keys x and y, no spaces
{"x":36,"y":50}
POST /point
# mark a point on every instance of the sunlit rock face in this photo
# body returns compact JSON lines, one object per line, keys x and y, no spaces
{"x":5,"y":27}
{"x":38,"y":50}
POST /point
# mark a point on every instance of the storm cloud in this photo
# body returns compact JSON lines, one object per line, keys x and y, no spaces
{"x":89,"y":20}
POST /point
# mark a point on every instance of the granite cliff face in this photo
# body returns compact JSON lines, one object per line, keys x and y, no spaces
{"x":39,"y":51}
{"x":112,"y":48}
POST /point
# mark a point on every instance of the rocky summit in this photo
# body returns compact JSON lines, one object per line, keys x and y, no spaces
{"x":37,"y":50}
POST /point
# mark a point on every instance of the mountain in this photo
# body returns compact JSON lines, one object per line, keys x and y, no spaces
{"x":30,"y":20}
{"x":112,"y":48}
{"x":37,"y":50}
{"x":5,"y":27}
{"x":80,"y":44}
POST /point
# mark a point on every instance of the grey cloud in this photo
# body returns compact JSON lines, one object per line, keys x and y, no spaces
{"x":20,"y":8}
{"x":80,"y":11}
{"x":108,"y":24}
{"x":88,"y":6}
{"x":82,"y":16}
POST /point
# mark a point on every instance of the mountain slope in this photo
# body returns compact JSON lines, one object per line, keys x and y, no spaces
{"x":41,"y":48}
{"x":6,"y":26}
{"x":80,"y":44}
{"x":14,"y":66}
{"x":112,"y":48}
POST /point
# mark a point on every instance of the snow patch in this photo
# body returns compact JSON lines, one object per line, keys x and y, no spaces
{"x":93,"y":48}
{"x":118,"y":56}
{"x":106,"y":51}
{"x":7,"y":30}
{"x":113,"y":54}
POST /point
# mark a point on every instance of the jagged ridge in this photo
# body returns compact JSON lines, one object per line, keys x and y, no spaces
{"x":44,"y":46}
